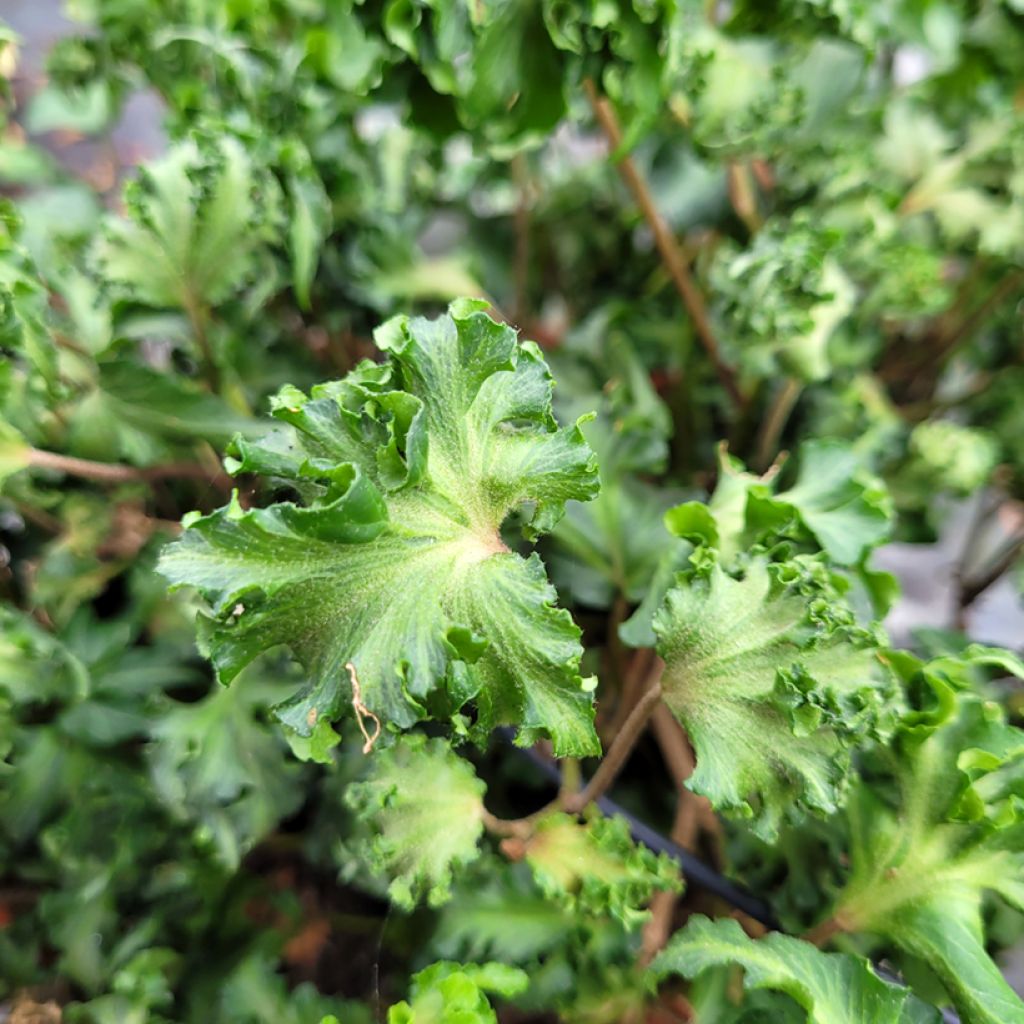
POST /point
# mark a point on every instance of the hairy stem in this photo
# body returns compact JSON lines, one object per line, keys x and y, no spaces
{"x":668,"y":247}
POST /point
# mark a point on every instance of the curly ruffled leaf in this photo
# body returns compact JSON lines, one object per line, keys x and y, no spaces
{"x":833,"y":988}
{"x":448,"y":991}
{"x":197,"y":221}
{"x":424,"y":806}
{"x":936,"y":823}
{"x":846,"y":509}
{"x":774,"y":683}
{"x":596,"y":868}
{"x":394,"y":562}
{"x":835,"y":505}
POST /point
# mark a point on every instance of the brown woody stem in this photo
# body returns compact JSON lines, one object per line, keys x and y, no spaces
{"x":668,"y":247}
{"x":622,"y":746}
{"x":822,"y":933}
{"x":108,"y":472}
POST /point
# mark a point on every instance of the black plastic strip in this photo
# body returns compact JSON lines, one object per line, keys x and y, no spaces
{"x":695,"y":870}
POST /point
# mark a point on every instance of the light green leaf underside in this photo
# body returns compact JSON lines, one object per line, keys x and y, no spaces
{"x":394,"y":563}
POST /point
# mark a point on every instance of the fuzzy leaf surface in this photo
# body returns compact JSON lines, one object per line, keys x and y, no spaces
{"x":394,"y":562}
{"x":424,"y":805}
{"x":773,"y":681}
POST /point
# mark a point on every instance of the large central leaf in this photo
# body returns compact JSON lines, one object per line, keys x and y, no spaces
{"x":394,"y":562}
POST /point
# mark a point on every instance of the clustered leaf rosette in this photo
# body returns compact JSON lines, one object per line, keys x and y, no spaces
{"x":936,"y":821}
{"x":832,"y":988}
{"x":392,"y":560}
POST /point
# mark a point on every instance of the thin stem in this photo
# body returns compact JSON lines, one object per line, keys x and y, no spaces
{"x":114,"y":473}
{"x":821,"y":934}
{"x":663,"y":905}
{"x":775,"y":421}
{"x":197,"y":318}
{"x":1012,"y":282}
{"x":972,"y":589}
{"x":743,"y":195}
{"x":517,"y":828}
{"x":521,"y":266}
{"x":618,"y":754}
{"x":678,"y":755}
{"x":636,"y":673}
{"x":668,"y":247}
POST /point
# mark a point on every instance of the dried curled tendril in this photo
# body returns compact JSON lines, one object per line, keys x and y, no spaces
{"x":362,"y":711}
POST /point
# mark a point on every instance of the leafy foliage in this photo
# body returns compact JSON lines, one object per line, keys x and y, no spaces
{"x":830,"y":987}
{"x":450,"y":991}
{"x":921,"y":862}
{"x":774,"y":683}
{"x":796,"y":227}
{"x":596,"y":868}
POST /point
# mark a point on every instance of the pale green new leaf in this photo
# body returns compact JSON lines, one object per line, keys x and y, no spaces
{"x":596,"y":868}
{"x":424,"y":805}
{"x":456,"y":993}
{"x":845,"y":508}
{"x":833,"y":988}
{"x":834,"y":504}
{"x":394,"y":564}
{"x":774,"y":683}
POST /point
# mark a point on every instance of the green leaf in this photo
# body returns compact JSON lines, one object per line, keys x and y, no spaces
{"x":215,"y":764}
{"x":395,"y":564}
{"x":935,"y":823}
{"x":498,"y":912}
{"x":596,"y":868}
{"x":142,"y":416}
{"x":196,"y":221}
{"x":310,"y":224}
{"x":833,"y":988}
{"x":845,"y":508}
{"x":447,"y":991}
{"x":774,"y":682}
{"x":947,"y":934}
{"x":424,"y":805}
